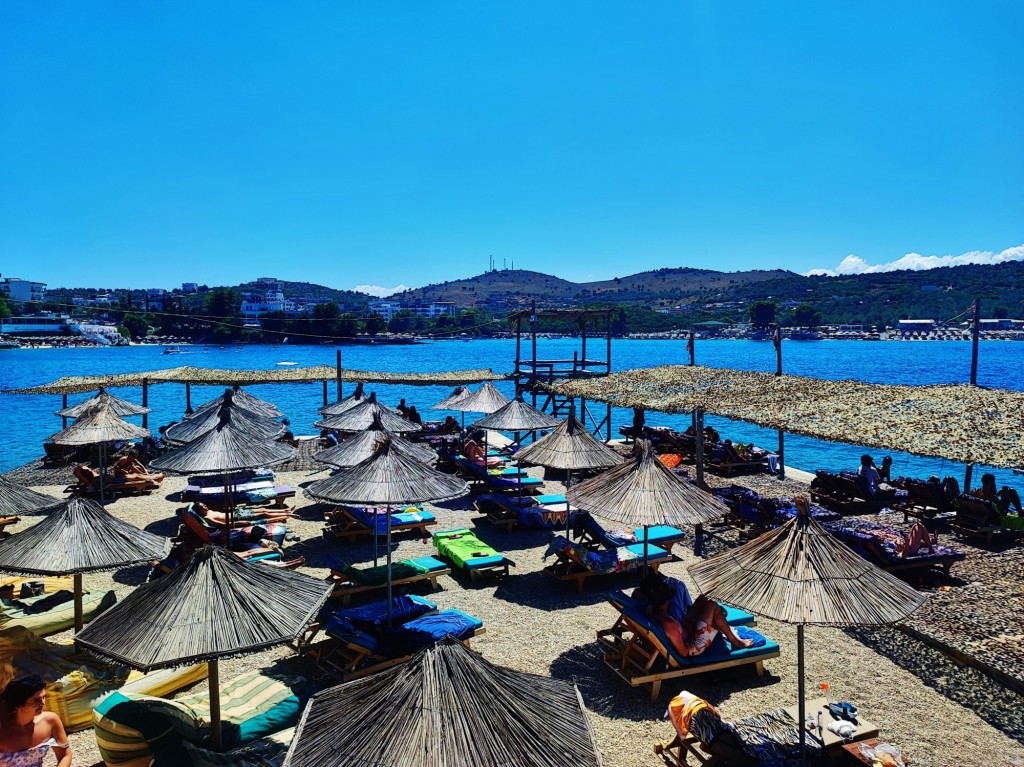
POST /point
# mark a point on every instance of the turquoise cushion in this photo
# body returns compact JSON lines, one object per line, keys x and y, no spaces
{"x":545,"y":500}
{"x":658,"y":533}
{"x":653,"y":552}
{"x":432,"y":564}
{"x":284,"y":714}
{"x":477,"y":562}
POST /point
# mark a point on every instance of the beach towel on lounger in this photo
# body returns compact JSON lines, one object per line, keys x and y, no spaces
{"x":463,"y":547}
{"x":376,"y":576}
{"x":413,"y":636}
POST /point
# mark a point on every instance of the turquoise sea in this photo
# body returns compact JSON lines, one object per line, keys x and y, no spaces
{"x":28,"y":420}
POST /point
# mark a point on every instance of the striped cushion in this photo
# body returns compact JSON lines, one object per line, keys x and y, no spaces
{"x":129,"y":729}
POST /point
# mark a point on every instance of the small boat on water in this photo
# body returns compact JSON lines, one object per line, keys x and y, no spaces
{"x":174,"y":350}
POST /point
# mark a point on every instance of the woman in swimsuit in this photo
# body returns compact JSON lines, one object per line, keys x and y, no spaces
{"x":27,"y":732}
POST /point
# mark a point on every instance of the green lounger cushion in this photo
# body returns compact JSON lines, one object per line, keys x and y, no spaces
{"x":466,"y":550}
{"x":376,"y":576}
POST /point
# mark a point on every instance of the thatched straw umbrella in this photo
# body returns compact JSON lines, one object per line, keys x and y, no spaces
{"x":572,"y":448}
{"x":224,"y":449}
{"x":642,"y":491}
{"x":79,"y":536}
{"x":246,"y":400}
{"x":387,"y":478}
{"x":486,"y":399}
{"x":345,"y":403}
{"x":801,"y":574}
{"x":120,"y":407}
{"x":360,"y":446}
{"x":15,"y":499}
{"x":361,"y":416}
{"x":99,"y":425}
{"x":434,"y":709}
{"x":208,"y":416}
{"x":213,"y":606}
{"x":454,"y":401}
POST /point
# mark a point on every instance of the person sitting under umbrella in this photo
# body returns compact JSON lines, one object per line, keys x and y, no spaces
{"x":691,"y":629}
{"x":243,"y":517}
{"x":27,"y":732}
{"x":1004,"y":499}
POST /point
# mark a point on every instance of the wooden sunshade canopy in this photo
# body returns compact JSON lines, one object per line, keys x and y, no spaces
{"x":958,"y":422}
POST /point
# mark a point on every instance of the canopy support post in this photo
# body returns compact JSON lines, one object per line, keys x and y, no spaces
{"x":698,"y":433}
{"x":79,"y":612}
{"x":188,"y":399}
{"x":145,"y":402}
{"x":64,"y":418}
{"x":800,"y":694}
{"x":975,"y":332}
{"x":214,"y":666}
{"x":388,"y":510}
{"x":325,"y":393}
{"x":337,"y":374}
{"x":967,"y":477}
{"x":645,"y":555}
{"x":782,"y":454}
{"x":689,"y":347}
{"x":103,"y":471}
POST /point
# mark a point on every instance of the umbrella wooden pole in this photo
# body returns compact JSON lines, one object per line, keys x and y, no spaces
{"x":389,"y":565}
{"x":325,"y":393}
{"x":975,"y":327}
{"x":967,"y":477}
{"x":568,"y":487}
{"x":801,"y":704}
{"x":337,"y":373}
{"x":645,"y":552}
{"x":782,"y":454}
{"x":103,"y":470}
{"x":64,"y":418}
{"x":214,"y":666}
{"x":188,"y":399}
{"x":79,"y":613}
{"x":145,"y":402}
{"x":698,"y":433}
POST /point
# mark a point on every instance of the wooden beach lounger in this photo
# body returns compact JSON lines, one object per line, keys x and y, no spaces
{"x":467,"y":552}
{"x":87,"y":484}
{"x":349,"y":580}
{"x":494,"y":479}
{"x":575,"y":563}
{"x":870,"y":539}
{"x":845,"y":494}
{"x":347,"y":523}
{"x":49,"y":613}
{"x":638,"y":651}
{"x":978,"y":518}
{"x":546,"y":512}
{"x":925,"y":500}
{"x":589,"y":532}
{"x":359,"y":643}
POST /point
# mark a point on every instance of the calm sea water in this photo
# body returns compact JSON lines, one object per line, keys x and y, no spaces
{"x":28,"y":420}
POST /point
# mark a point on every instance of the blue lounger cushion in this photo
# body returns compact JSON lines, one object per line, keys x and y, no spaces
{"x":660,"y":534}
{"x":422,"y":632}
{"x":733,"y":615}
{"x":653,"y":552}
{"x":478,"y":562}
{"x":431,"y":564}
{"x":549,"y":499}
{"x":355,"y":624}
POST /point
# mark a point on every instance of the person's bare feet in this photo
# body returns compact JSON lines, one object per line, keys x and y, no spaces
{"x":743,"y":644}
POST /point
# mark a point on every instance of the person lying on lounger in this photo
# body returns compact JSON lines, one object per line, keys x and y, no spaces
{"x":699,"y":625}
{"x":476,"y":454}
{"x":243,"y":517}
{"x":128,"y":468}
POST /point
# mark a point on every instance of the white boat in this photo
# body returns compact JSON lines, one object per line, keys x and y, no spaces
{"x":174,"y":350}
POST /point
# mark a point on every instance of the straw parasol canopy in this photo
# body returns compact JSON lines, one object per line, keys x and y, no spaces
{"x":517,"y":415}
{"x":360,"y":446}
{"x":800,"y":574}
{"x":15,"y":499}
{"x":120,"y":407}
{"x":244,"y":399}
{"x":346,"y":403}
{"x":99,"y":424}
{"x":79,"y":536}
{"x":453,"y":400}
{"x":485,"y":400}
{"x":434,"y":709}
{"x":968,"y":424}
{"x":361,"y":416}
{"x":225,"y":448}
{"x":215,"y":605}
{"x":388,"y":477}
{"x":207,"y":418}
{"x":570,"y":446}
{"x":642,"y":491}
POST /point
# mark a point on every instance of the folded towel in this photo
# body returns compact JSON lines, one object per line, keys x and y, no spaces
{"x":747,"y":633}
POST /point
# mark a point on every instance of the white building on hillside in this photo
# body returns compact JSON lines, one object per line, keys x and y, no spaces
{"x":388,"y":309}
{"x":18,"y":290}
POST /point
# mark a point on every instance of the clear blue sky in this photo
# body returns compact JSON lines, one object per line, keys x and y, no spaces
{"x":351,"y":143}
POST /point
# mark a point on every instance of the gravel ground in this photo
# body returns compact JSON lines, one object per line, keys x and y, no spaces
{"x":919,"y":699}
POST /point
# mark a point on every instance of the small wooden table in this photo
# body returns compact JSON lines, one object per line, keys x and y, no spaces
{"x":830,"y":741}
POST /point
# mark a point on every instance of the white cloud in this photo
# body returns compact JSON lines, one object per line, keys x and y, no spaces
{"x":379,"y":290}
{"x":916,"y":262}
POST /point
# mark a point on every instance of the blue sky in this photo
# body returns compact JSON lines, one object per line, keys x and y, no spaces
{"x":403,"y":143}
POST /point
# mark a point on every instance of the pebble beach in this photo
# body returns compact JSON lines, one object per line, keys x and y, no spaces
{"x":938,"y":712}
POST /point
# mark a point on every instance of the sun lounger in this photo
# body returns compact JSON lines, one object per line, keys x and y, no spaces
{"x":748,"y":508}
{"x":239,"y":537}
{"x":494,"y":480}
{"x":723,"y":459}
{"x":349,"y":580}
{"x":133,"y":729}
{"x":508,"y":511}
{"x":575,"y":563}
{"x":54,"y":453}
{"x":463,"y":549}
{"x":638,"y":651}
{"x":589,"y":532}
{"x":769,"y":738}
{"x":877,"y":543}
{"x":87,"y":484}
{"x":846,"y":493}
{"x":49,"y":613}
{"x":977,"y":518}
{"x":359,"y":642}
{"x":346,"y":523}
{"x":924,"y":500}
{"x":255,"y":492}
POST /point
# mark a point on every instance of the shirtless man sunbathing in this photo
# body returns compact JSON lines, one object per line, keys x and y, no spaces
{"x":243,"y":517}
{"x":129,"y":468}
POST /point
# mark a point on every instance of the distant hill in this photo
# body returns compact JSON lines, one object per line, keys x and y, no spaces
{"x":509,"y":288}
{"x":293,"y":289}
